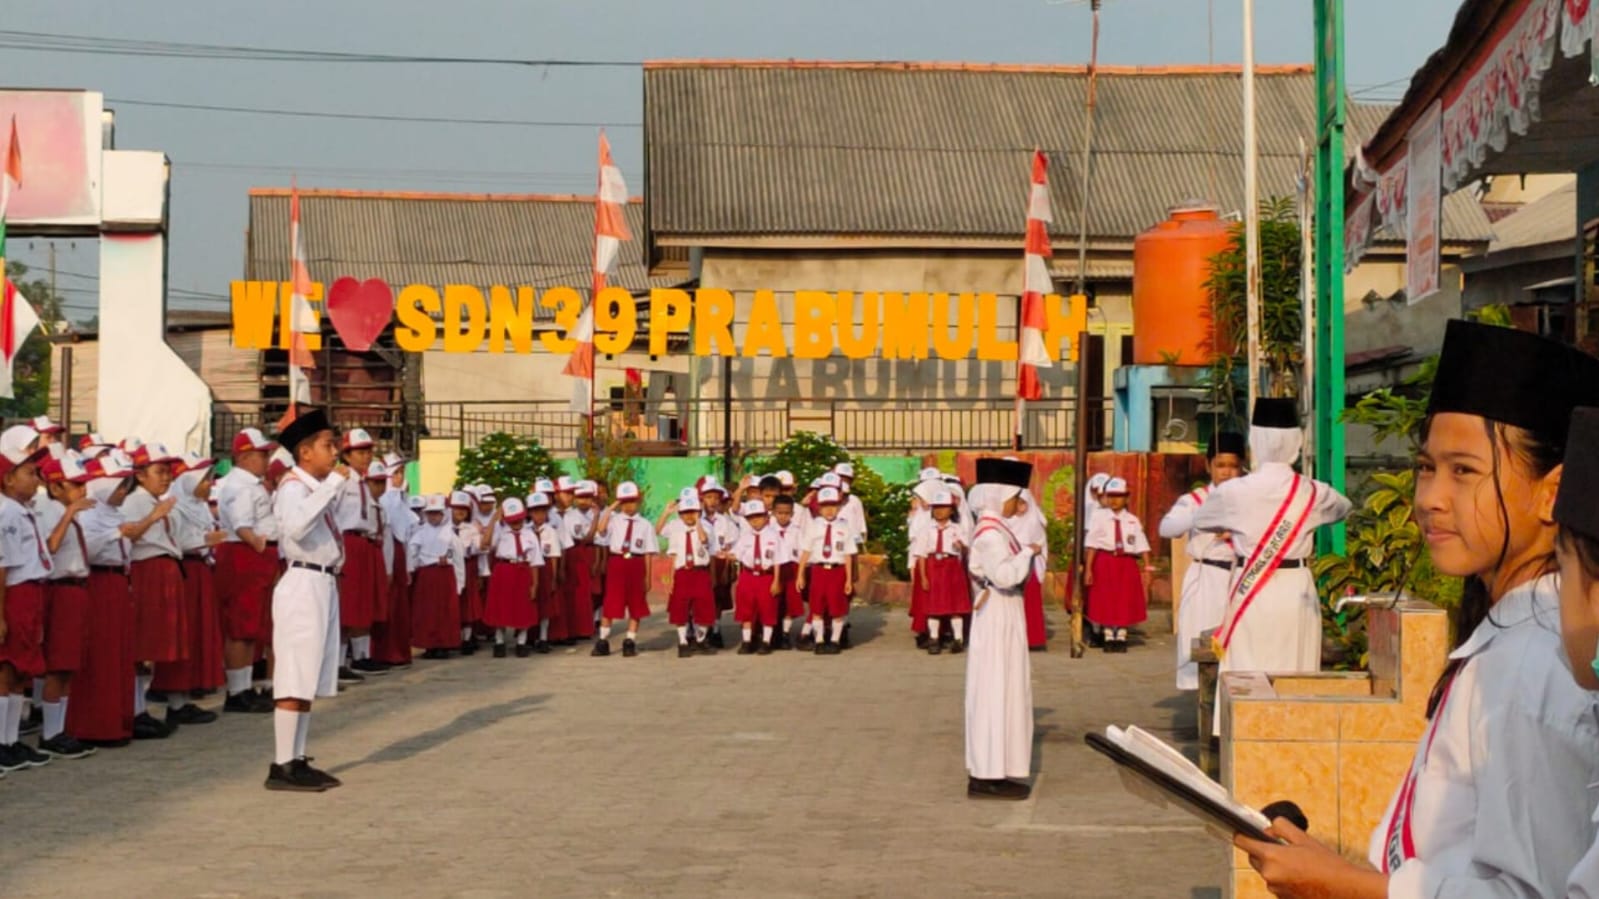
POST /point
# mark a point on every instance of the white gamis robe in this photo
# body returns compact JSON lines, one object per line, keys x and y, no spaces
{"x":1504,"y":799}
{"x":1206,"y":587}
{"x":999,"y":685}
{"x":1280,"y":633}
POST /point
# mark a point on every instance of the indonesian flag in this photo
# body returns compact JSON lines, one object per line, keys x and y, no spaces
{"x":1035,"y":286}
{"x":610,"y":229}
{"x":302,"y":320}
{"x":17,"y":318}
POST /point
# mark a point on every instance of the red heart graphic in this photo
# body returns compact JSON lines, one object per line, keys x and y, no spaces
{"x":360,"y":310}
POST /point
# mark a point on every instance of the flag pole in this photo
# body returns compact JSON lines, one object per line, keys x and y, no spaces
{"x":1251,"y":211}
{"x":596,"y":284}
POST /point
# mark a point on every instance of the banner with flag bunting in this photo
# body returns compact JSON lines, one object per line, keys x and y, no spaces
{"x":302,"y":319}
{"x":17,"y":317}
{"x":1033,"y":354}
{"x":610,"y":229}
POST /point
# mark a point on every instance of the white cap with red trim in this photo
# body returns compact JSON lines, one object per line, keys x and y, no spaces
{"x":829,"y":496}
{"x":377,"y":471}
{"x":460,"y":499}
{"x":565,"y":484}
{"x":513,"y":510}
{"x":751,"y":508}
{"x":252,"y":440}
{"x":537,"y":500}
{"x":44,"y":425}
{"x":435,"y":503}
{"x":627,"y":490}
{"x":357,"y":439}
{"x":587,"y":488}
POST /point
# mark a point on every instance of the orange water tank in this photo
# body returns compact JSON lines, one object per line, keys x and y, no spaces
{"x":1171,"y":308}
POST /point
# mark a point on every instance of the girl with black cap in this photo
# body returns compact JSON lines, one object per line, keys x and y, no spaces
{"x":1496,"y":800}
{"x":1577,"y":550}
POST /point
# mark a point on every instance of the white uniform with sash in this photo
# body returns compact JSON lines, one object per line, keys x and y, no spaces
{"x":1499,"y":798}
{"x":1206,"y":584}
{"x":1273,"y":619}
{"x":999,"y":685}
{"x":305,"y":603}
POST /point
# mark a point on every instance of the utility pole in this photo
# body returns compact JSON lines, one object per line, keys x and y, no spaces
{"x":1251,"y":209}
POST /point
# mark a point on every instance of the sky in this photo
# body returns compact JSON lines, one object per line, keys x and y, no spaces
{"x":217,"y":157}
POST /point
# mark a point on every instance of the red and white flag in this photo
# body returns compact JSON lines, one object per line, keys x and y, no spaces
{"x":610,"y":229}
{"x":17,"y":318}
{"x":1036,"y":285}
{"x":302,"y":319}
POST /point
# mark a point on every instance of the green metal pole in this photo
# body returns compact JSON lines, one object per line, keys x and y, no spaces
{"x":1328,"y":396}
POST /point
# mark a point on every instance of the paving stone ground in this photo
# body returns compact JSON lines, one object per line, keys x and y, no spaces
{"x":564,"y":775}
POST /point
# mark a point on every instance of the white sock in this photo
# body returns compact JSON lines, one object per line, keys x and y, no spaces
{"x":605,"y":632}
{"x":14,"y":719}
{"x":302,"y":726}
{"x":632,"y":633}
{"x":682,"y":635}
{"x":238,"y":680}
{"x":176,"y":700}
{"x":699,"y":632}
{"x":544,"y":630}
{"x":264,"y":686}
{"x":932,"y":627}
{"x":141,"y":686}
{"x":597,"y":616}
{"x":6,"y":738}
{"x":521,"y":637}
{"x":806,"y":630}
{"x":499,"y":636}
{"x":361,"y":648}
{"x":748,"y":629}
{"x":838,"y":629}
{"x":38,"y":693}
{"x":959,"y":625}
{"x":55,"y":719}
{"x":284,"y":725}
{"x":466,"y":634}
{"x":766,"y":635}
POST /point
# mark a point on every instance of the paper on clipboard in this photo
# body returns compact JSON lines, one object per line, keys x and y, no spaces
{"x":1154,"y":771}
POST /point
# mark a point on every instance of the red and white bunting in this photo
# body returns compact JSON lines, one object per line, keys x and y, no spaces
{"x":1036,"y":285}
{"x":302,"y":319}
{"x":610,"y":229}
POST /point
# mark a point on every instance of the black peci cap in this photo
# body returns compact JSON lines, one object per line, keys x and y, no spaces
{"x":308,"y":424}
{"x":1575,"y":507}
{"x":1275,"y":412}
{"x":1004,"y":471}
{"x":1226,"y":442}
{"x":1512,"y":377}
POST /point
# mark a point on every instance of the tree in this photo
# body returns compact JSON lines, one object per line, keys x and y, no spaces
{"x":31,"y":370}
{"x":508,"y":464}
{"x":1281,"y":311}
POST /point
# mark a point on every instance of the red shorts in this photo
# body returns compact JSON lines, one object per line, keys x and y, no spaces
{"x":826,"y":586}
{"x":244,"y":582}
{"x":23,"y":647}
{"x":626,"y":583}
{"x":753,"y":602}
{"x":160,"y":625}
{"x":66,"y":616}
{"x":794,"y":600}
{"x":691,"y":597}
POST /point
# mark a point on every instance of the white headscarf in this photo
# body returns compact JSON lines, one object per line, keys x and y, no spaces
{"x":988,"y":500}
{"x":193,"y":511}
{"x":1281,"y":445}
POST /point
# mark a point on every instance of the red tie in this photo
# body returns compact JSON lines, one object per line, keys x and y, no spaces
{"x":362,"y":485}
{"x":83,"y":545}
{"x":688,"y":548}
{"x":122,"y":545}
{"x":44,"y":557}
{"x":517,"y":535}
{"x":827,"y":543}
{"x":627,"y":538}
{"x":939,"y":550}
{"x":1118,"y":536}
{"x":758,"y":550}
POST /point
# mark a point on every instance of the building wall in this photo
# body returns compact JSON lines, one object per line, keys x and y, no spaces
{"x":1507,"y":286}
{"x":230,"y":373}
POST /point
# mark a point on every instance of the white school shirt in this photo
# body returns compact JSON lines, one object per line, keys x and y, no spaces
{"x":357,"y":509}
{"x":1584,"y":880}
{"x":1504,"y":800}
{"x":189,"y":527}
{"x":505,"y":545}
{"x":855,"y":514}
{"x":69,"y":560}
{"x":562,"y":528}
{"x":816,"y":539}
{"x":724,"y":528}
{"x":793,"y":538}
{"x":160,"y":539}
{"x":926,"y":542}
{"x":468,"y":537}
{"x":1245,"y":507}
{"x":552,"y":543}
{"x":102,"y":528}
{"x":579,"y":524}
{"x":1179,"y":522}
{"x":22,"y":544}
{"x":637,"y":540}
{"x":398,"y":522}
{"x":773,"y":551}
{"x":675,"y":533}
{"x":243,"y":502}
{"x":1102,"y":533}
{"x":303,"y":507}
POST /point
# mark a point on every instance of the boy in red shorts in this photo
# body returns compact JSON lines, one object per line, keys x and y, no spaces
{"x":630,"y":540}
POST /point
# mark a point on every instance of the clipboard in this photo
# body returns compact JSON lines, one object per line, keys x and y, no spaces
{"x":1152,"y":784}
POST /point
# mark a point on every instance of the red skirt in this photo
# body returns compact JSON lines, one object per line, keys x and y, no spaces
{"x":753,"y":602}
{"x":918,"y":609}
{"x":626,"y":586}
{"x":391,"y":639}
{"x":577,"y":579}
{"x":102,"y":689}
{"x":359,"y":582}
{"x":828,"y":599}
{"x":23,"y":647}
{"x":1117,"y":597}
{"x":509,"y":602}
{"x":435,"y":608}
{"x":65,"y":623}
{"x":792,"y":597}
{"x":949,"y":592}
{"x":244,"y":583}
{"x":471,"y":601}
{"x":553,"y":599}
{"x":202,"y":667}
{"x":160,"y":625}
{"x":1033,"y":604}
{"x":692,"y":598}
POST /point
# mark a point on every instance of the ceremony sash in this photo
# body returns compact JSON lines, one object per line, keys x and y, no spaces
{"x":1268,"y":555}
{"x":1399,"y":844}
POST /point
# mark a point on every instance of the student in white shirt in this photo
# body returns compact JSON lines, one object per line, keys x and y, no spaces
{"x":938,"y":563}
{"x":475,"y":530}
{"x":436,"y":556}
{"x":1208,"y":582}
{"x":760,"y":554}
{"x":785,"y":516}
{"x":1117,"y":588}
{"x":691,"y":606}
{"x":161,"y":625}
{"x":27,"y":565}
{"x":1497,"y":799}
{"x":552,"y":541}
{"x":512,"y":606}
{"x":825,"y":567}
{"x":583,"y":612}
{"x":630,"y":540}
{"x":70,"y":605}
{"x":247,"y":567}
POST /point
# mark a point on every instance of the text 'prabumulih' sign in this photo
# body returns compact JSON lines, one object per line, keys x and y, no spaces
{"x":461,"y":319}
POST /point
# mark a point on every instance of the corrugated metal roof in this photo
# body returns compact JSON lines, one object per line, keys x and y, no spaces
{"x":907,"y":149}
{"x":439,"y":239}
{"x":1549,"y":219}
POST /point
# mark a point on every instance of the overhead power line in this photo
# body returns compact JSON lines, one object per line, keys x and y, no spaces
{"x":373,"y":117}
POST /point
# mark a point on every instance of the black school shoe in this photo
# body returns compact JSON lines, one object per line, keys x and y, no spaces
{"x":685,"y":650}
{"x":499,"y":650}
{"x":12,"y":759}
{"x":715,"y":638}
{"x":62,"y":746}
{"x":247,"y":702}
{"x":997,"y":789}
{"x":746,"y":648}
{"x":522,"y":651}
{"x":765,"y":649}
{"x":601,"y":648}
{"x":843,"y":640}
{"x":469,"y":647}
{"x":33,"y":723}
{"x":922,"y":640}
{"x":146,"y":727}
{"x":957,"y":647}
{"x":629,"y":649}
{"x":317,"y":773}
{"x":33,"y":757}
{"x":704,"y":648}
{"x":348,"y":677}
{"x":935,"y":648}
{"x":371,"y":666}
{"x":295,"y":777}
{"x":542,"y":647}
{"x":190,"y":714}
{"x":805,"y":643}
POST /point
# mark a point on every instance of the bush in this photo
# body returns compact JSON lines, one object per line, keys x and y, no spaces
{"x":508,"y":464}
{"x":1058,"y":533}
{"x":608,"y":460}
{"x":807,"y":455}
